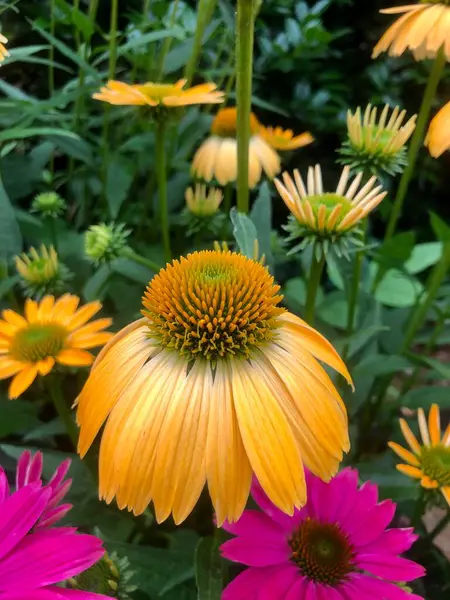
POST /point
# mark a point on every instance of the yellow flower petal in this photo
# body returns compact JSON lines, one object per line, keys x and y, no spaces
{"x":434,"y":425}
{"x":83,"y":315}
{"x":446,"y":493}
{"x":73,"y":357}
{"x":429,"y":484}
{"x":410,"y":471}
{"x":9,"y":367}
{"x":409,"y":436}
{"x":423,"y":427}
{"x":14,"y":319}
{"x":45,"y":366}
{"x":404,"y":454}
{"x":22,"y":381}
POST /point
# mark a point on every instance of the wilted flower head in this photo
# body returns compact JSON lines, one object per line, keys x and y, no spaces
{"x":377,"y":145}
{"x":423,"y":28}
{"x":3,"y":50}
{"x":438,"y":138}
{"x":49,"y":332}
{"x":49,"y":204}
{"x":216,"y":381}
{"x":104,"y":242}
{"x":217,"y":156}
{"x":41,"y":273}
{"x":110,"y":575}
{"x":327,"y":219}
{"x":429,"y":461}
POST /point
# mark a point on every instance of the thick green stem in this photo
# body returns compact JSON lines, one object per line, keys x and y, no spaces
{"x":147,"y":262}
{"x":205,"y":10}
{"x":62,"y":408}
{"x":315,"y":276}
{"x":416,"y":141}
{"x":112,"y":46}
{"x":53,"y":232}
{"x":161,"y":176}
{"x":245,"y":26}
{"x":167,"y":43}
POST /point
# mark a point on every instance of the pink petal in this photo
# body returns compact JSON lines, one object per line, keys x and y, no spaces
{"x":366,"y":498}
{"x":50,"y":517}
{"x":18,"y":515}
{"x":375,"y":522}
{"x":343,"y":491}
{"x":326,"y":592}
{"x":52,"y":593}
{"x":248,"y":583}
{"x":389,"y":567}
{"x":255,"y":524}
{"x":269,"y":508}
{"x":4,"y":486}
{"x":392,"y":541}
{"x":318,"y":497}
{"x":298,"y":590}
{"x":35,"y":468}
{"x":369,"y":587}
{"x":279,"y":584}
{"x":48,"y":557}
{"x":59,"y":493}
{"x":60,"y":473}
{"x":22,"y":469}
{"x":257,"y":552}
{"x":311,"y":591}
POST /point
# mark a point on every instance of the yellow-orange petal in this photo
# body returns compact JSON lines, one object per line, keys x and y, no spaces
{"x":46,"y":365}
{"x":73,"y":357}
{"x":22,"y":381}
{"x":438,"y":137}
{"x":83,"y":314}
{"x":92,"y":340}
{"x":14,"y":319}
{"x":410,"y":471}
{"x":428,"y":483}
{"x":434,"y":425}
{"x":31,"y":310}
{"x":404,"y":454}
{"x":9,"y":367}
{"x":6,"y":329}
{"x":423,"y":426}
{"x":409,"y":436}
{"x":446,"y":493}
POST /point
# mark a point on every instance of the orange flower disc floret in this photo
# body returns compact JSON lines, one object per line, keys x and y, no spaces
{"x":212,"y":304}
{"x":225,"y":123}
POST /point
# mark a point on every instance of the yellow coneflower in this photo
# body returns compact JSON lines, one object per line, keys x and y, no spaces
{"x":430,"y":461}
{"x":377,"y":144}
{"x":49,"y":332}
{"x":327,"y":217}
{"x":438,"y":138}
{"x":215,"y":383}
{"x":41,"y":272}
{"x":423,"y":28}
{"x":217,"y":156}
{"x":203,"y":202}
{"x":154,"y":94}
{"x":284,"y":139}
{"x":3,"y":50}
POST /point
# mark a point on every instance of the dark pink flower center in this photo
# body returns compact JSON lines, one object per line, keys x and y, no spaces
{"x":322,"y":551}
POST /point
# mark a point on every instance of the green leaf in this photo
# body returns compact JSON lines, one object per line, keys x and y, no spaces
{"x":423,"y":256}
{"x":398,"y":290}
{"x":128,"y":268}
{"x":10,"y":236}
{"x":440,"y":228}
{"x":17,"y":416}
{"x":244,"y":232}
{"x":119,"y":178}
{"x":381,"y":364}
{"x":74,"y":147}
{"x":20,"y":134}
{"x":441,"y":368}
{"x":395,"y":251}
{"x":426,"y":396}
{"x":8,"y":284}
{"x":95,"y":286}
{"x":209,"y":569}
{"x":334,"y":310}
{"x":261,"y":215}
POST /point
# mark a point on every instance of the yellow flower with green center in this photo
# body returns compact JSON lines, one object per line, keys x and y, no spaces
{"x":430,"y":461}
{"x":215,"y":382}
{"x":3,"y":51}
{"x":374,"y":144}
{"x":158,"y":94}
{"x":423,"y":28}
{"x":327,"y":219}
{"x":50,"y":332}
{"x":41,"y":272}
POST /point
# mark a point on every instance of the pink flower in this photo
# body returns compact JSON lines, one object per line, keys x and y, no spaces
{"x":34,"y":558}
{"x":336,"y":547}
{"x":29,"y":470}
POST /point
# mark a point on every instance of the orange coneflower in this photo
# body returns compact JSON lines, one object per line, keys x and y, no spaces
{"x":3,"y":50}
{"x":49,"y":332}
{"x":154,"y":94}
{"x":430,"y":461}
{"x":423,"y":28}
{"x":217,"y":156}
{"x":438,"y":138}
{"x":216,"y":382}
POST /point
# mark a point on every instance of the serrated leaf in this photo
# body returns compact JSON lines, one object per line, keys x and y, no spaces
{"x":244,"y":232}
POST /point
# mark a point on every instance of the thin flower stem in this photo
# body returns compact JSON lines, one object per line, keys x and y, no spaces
{"x":227,"y":198}
{"x":205,"y":10}
{"x":51,"y":68}
{"x":245,"y":26}
{"x":353,"y":299}
{"x":53,"y":233}
{"x":416,"y":140}
{"x":62,"y":408}
{"x":315,"y":275}
{"x":138,"y":258}
{"x":161,"y":176}
{"x":167,"y":43}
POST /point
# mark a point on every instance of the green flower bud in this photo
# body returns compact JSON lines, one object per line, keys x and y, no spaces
{"x":103,"y":243}
{"x":110,"y":576}
{"x":41,"y":272}
{"x":49,"y":204}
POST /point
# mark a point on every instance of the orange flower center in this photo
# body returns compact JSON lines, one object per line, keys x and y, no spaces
{"x":225,"y":123}
{"x":212,"y":304}
{"x":322,"y":552}
{"x":36,"y":342}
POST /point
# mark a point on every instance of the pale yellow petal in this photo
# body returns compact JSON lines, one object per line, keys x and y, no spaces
{"x":409,"y":436}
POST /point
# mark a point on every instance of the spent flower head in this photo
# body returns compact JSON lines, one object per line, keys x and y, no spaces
{"x":328,"y":220}
{"x":49,"y":204}
{"x":104,"y":243}
{"x":375,"y":145}
{"x":41,"y":272}
{"x":110,"y":576}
